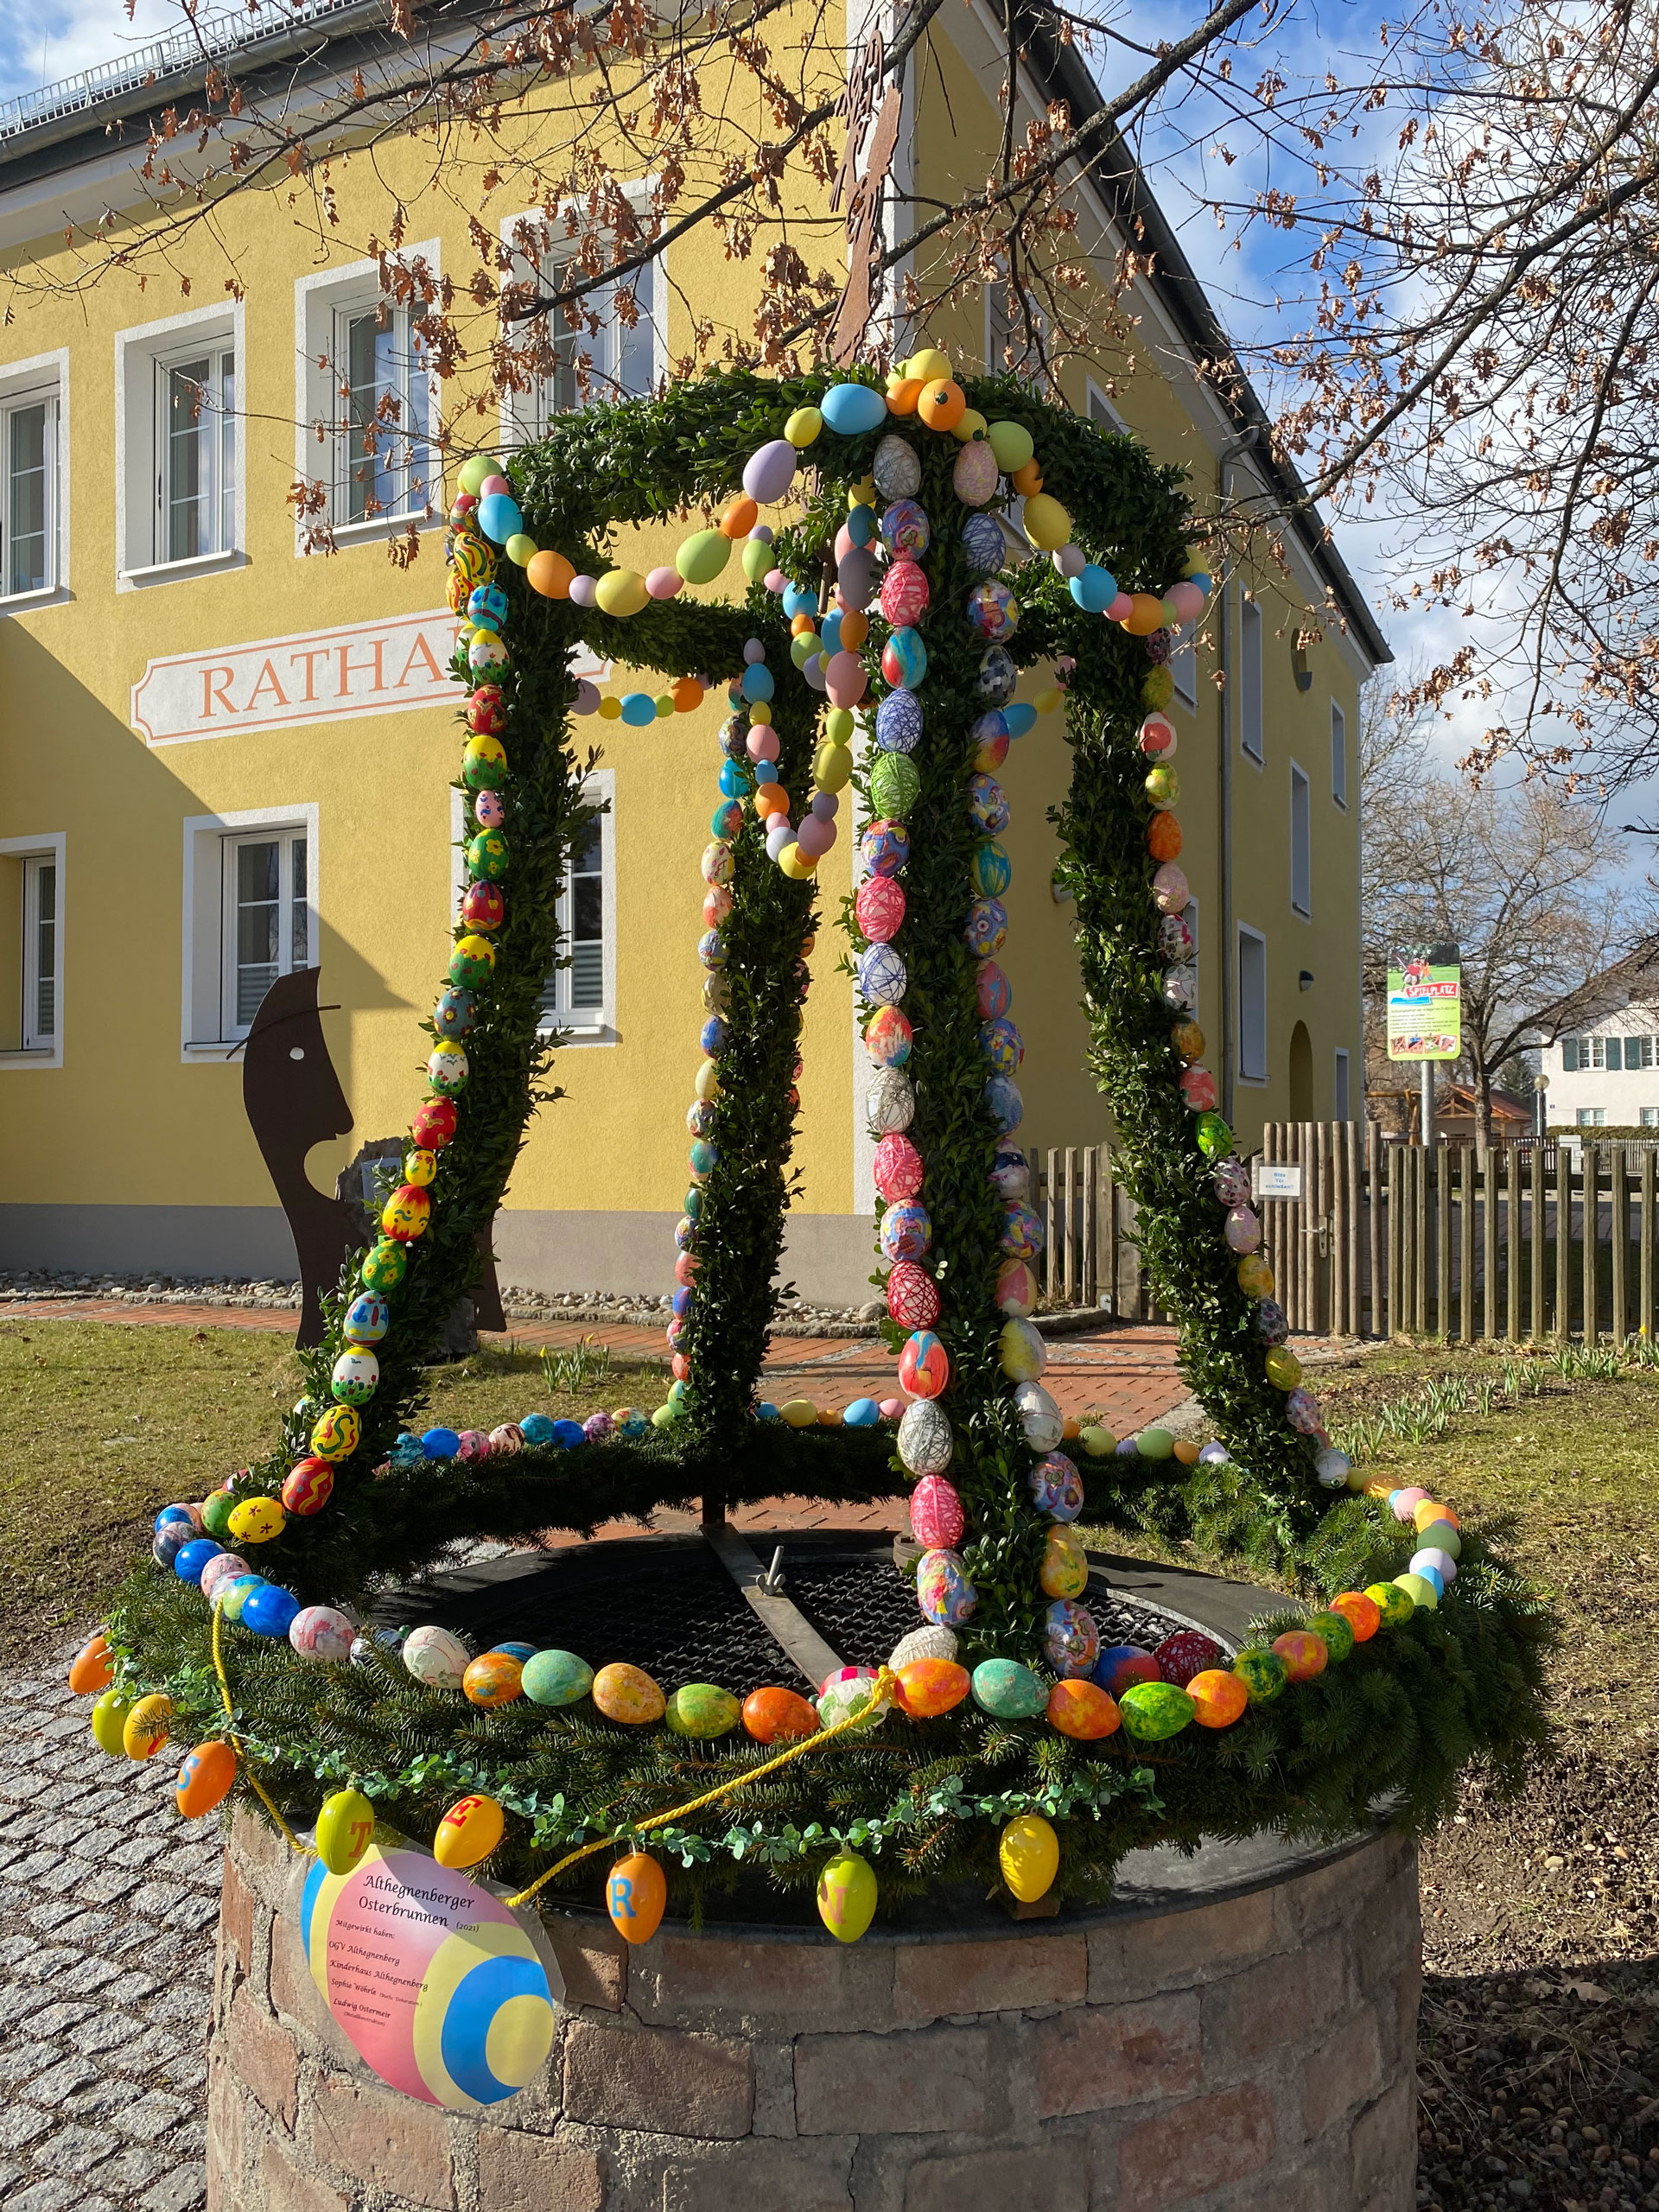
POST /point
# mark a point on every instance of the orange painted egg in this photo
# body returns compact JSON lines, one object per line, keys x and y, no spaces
{"x":1220,"y":1697}
{"x":1426,"y":1512}
{"x":777,"y":1716}
{"x":1363,"y":1614}
{"x":1083,"y":1709}
{"x":1305,"y":1654}
{"x":93,"y":1668}
{"x":469,"y":1831}
{"x":635,"y":1894}
{"x":406,"y":1212}
{"x":627,"y":1694}
{"x":307,"y":1485}
{"x":495,"y":1679}
{"x":204,"y":1779}
{"x":928,"y":1688}
{"x":1164,"y":839}
{"x":144,"y":1730}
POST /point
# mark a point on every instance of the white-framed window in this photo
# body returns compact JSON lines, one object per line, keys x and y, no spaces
{"x":580,"y":994}
{"x":1249,"y":678}
{"x":1642,"y":1051}
{"x":1585,"y":1054}
{"x":180,"y":446}
{"x":34,"y":550}
{"x":1252,"y":1005}
{"x":1301,"y":843}
{"x":1593,"y":1118}
{"x":1340,"y":1095}
{"x":617,"y":349}
{"x":31,"y":951}
{"x":367,"y":384}
{"x":1649,"y":1118}
{"x":1338,"y":756}
{"x":1101,"y":410}
{"x":249,"y":915}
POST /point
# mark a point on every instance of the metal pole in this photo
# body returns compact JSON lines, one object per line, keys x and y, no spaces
{"x":1428,"y":1102}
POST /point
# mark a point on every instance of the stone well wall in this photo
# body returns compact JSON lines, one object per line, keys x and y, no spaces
{"x":1228,"y":2047}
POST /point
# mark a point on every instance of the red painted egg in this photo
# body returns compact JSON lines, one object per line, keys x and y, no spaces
{"x":776,"y":1716}
{"x":904,"y":595}
{"x":935,"y":1515}
{"x":924,"y":1365}
{"x":878,"y":908}
{"x":435,"y":1124}
{"x":1198,"y":1090}
{"x":912,"y":1296}
{"x":1124,"y":1666}
{"x":486,"y":711}
{"x":1188,"y":1652}
{"x":897,"y":1168}
{"x":308,"y":1485}
{"x":483,"y":908}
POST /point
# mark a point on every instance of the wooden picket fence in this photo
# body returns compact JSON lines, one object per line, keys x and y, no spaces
{"x":1398,"y":1240}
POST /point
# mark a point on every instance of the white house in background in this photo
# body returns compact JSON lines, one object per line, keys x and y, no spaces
{"x":1605,"y":1073}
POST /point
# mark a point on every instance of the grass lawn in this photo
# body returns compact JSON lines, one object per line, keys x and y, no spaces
{"x":101,"y":1425}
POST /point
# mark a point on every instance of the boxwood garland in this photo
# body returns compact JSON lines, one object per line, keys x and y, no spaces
{"x":1404,"y":1712}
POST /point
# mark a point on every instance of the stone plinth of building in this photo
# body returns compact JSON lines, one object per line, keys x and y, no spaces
{"x":1235,"y":2031}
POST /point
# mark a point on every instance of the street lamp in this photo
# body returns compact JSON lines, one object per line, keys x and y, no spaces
{"x":1540,"y":1085}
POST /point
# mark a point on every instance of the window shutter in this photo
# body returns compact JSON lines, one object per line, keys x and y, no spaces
{"x":1632,"y":1051}
{"x":1569,"y":1055}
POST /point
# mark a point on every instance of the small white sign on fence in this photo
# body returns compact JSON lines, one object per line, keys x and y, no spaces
{"x":1276,"y":1179}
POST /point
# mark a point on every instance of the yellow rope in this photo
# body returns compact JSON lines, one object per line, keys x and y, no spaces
{"x":881,"y":1695}
{"x":251,"y":1779}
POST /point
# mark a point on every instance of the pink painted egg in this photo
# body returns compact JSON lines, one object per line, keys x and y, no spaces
{"x":878,"y":908}
{"x":898,"y":1167}
{"x":1198,"y":1091}
{"x":1016,"y":1289}
{"x":1242,"y":1230}
{"x":913,"y":1297}
{"x":491,"y":809}
{"x":924,"y":1365}
{"x":936,"y":1516}
{"x":974,"y":477}
{"x":904,"y":594}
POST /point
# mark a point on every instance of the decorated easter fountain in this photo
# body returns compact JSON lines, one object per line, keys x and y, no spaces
{"x":1036,"y":1730}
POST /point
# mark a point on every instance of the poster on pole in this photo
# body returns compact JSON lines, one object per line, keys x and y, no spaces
{"x":1425,"y":994}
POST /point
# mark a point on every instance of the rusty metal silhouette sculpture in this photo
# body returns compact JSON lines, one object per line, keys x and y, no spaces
{"x":293,"y":1100}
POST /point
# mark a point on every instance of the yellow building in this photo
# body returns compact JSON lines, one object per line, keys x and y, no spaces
{"x":227,"y":757}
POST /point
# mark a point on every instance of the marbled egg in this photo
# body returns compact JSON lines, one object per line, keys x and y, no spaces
{"x":1056,"y":1487}
{"x":1262,"y":1673}
{"x":887,"y":1038}
{"x":270,"y":1610}
{"x":1155,"y":1711}
{"x":233,"y":1595}
{"x":1219,"y":1698}
{"x":984,"y":545}
{"x":935,"y":1515}
{"x":1336,"y":1631}
{"x":904,"y":664}
{"x":702,"y":1710}
{"x":1121,"y":1665}
{"x":899,"y":719}
{"x":1004,"y":1103}
{"x":494,"y":1678}
{"x":903,"y":597}
{"x":1270,"y":1323}
{"x":1188,"y":1652}
{"x":1082,"y":1709}
{"x":925,"y":1440}
{"x":928,"y":1688}
{"x":1071,"y":1638}
{"x":1008,"y":1691}
{"x":1230,"y":1179}
{"x":322,"y":1632}
{"x":221,"y":1573}
{"x":924,"y":1365}
{"x":897,"y":468}
{"x":1021,"y":1353}
{"x":627,"y":1694}
{"x":777,"y":1716}
{"x":556,"y":1678}
{"x":170,"y":1539}
{"x":436,"y":1657}
{"x":1065,"y":1569}
{"x":992,"y":870}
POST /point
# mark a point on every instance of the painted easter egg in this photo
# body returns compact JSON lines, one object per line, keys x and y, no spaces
{"x":997,"y":676}
{"x":895,"y":785}
{"x":845,"y":1695}
{"x":883,"y":977}
{"x":1022,"y":1232}
{"x":897,"y":468}
{"x":367,"y":1318}
{"x":903,"y":596}
{"x":906,"y":1230}
{"x":1065,"y":1569}
{"x":447,"y":1066}
{"x":490,"y":811}
{"x":1304,"y":1653}
{"x":1016,"y":1288}
{"x":929,"y":1643}
{"x":556,"y":1678}
{"x":924,"y":1365}
{"x":988,"y":805}
{"x":188,"y":1516}
{"x":944,"y":1590}
{"x":216,"y":1510}
{"x":355,"y":1377}
{"x":468,"y":1832}
{"x":406,"y":1213}
{"x":1008,"y":1691}
{"x":904,"y":665}
{"x":385,"y":1264}
{"x":890,"y":1102}
{"x":435,"y":1656}
{"x":145,"y":1729}
{"x":984,"y":545}
{"x":205,"y":1779}
{"x":1218,"y":1697}
{"x":1188,"y":1652}
{"x":929,"y":1687}
{"x":1042,"y":1425}
{"x":1302,"y":1411}
{"x":702,"y":1710}
{"x":1363,"y":1613}
{"x":1336,"y":1632}
{"x":335,"y":1435}
{"x":635,"y":1895}
{"x":1056,"y":1487}
{"x":1262,"y":1673}
{"x":974,"y":477}
{"x":936,"y":1515}
{"x":899,"y":718}
{"x":769,"y":473}
{"x":897,"y":1168}
{"x":1004,"y":1103}
{"x":92,"y":1667}
{"x":850,"y":409}
{"x":1155,"y":1711}
{"x":777,"y":1716}
{"x":885,"y":847}
{"x":191,"y":1558}
{"x":1071,"y":1638}
{"x":1082,"y":1709}
{"x":322,"y":1632}
{"x":1254,"y":1276}
{"x":230,"y":1597}
{"x":494,"y":1678}
{"x":1028,"y":1853}
{"x":628,"y":1694}
{"x":270,"y":1610}
{"x":170,"y":1539}
{"x":846,"y":1897}
{"x":887,"y":1038}
{"x":1021,"y":1353}
{"x":986,"y":929}
{"x":256,"y":1520}
{"x":913,"y":1296}
{"x":925,"y":1440}
{"x":992,"y":611}
{"x":992,"y":871}
{"x":109,"y":1720}
{"x":1120,"y":1666}
{"x":1420,"y":1589}
{"x":879,"y":909}
{"x":1271,"y":1325}
{"x":906,"y":533}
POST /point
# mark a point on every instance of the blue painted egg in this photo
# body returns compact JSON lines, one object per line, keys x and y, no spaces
{"x":1020,"y":716}
{"x":406,"y":1452}
{"x":997,"y":677}
{"x":566,"y":1434}
{"x":992,"y":610}
{"x":1022,"y":1232}
{"x":993,"y":871}
{"x":714,"y":1036}
{"x":943,"y":1592}
{"x":1056,"y":1487}
{"x":1007,"y":1690}
{"x":1003,"y":1046}
{"x":367,"y":1320}
{"x":860,"y":526}
{"x":904,"y":659}
{"x":538,"y":1427}
{"x":270,"y":1610}
{"x":758,"y":681}
{"x":899,"y":722}
{"x":885,"y":848}
{"x":736,"y":777}
{"x":486,"y":607}
{"x":906,"y":530}
{"x":454,"y":1012}
{"x":986,"y":929}
{"x":188,"y":1515}
{"x":863,"y":1412}
{"x":882,"y":976}
{"x":850,"y":409}
{"x":906,"y":1230}
{"x":440,"y":1443}
{"x":988,"y":727}
{"x":1093,"y":588}
{"x":711,"y":948}
{"x":988,"y":804}
{"x":1071,"y":1639}
{"x":702,"y":1156}
{"x":556,"y":1678}
{"x":984,"y":545}
{"x":189,"y":1559}
{"x":1004,"y":1103}
{"x":798,"y":601}
{"x":498,"y":517}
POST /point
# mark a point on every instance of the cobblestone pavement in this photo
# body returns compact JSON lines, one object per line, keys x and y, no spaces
{"x":107,"y":1909}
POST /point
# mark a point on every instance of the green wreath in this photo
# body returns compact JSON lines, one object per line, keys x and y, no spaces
{"x":1332,"y":1724}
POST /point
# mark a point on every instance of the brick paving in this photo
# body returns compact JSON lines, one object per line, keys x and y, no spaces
{"x":107,"y":1910}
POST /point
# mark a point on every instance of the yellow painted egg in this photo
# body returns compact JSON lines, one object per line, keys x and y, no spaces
{"x":1048,"y":526}
{"x":256,"y":1520}
{"x":345,"y":1830}
{"x":928,"y":1688}
{"x":419,"y":1168}
{"x":109,"y":1720}
{"x":496,"y":1678}
{"x":337,"y":1434}
{"x":621,"y":591}
{"x":804,"y":426}
{"x":1064,"y":1570}
{"x":145,"y":1728}
{"x":800,"y":1413}
{"x":627,"y":1694}
{"x":846,"y":1897}
{"x":406,"y":1213}
{"x":1028,"y":1851}
{"x":469,"y":1831}
{"x":703,"y":1710}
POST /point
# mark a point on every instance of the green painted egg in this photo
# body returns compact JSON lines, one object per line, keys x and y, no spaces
{"x":556,"y":1678}
{"x":384,"y":1268}
{"x":1155,"y":1444}
{"x":1419,"y":1589}
{"x":1440,"y":1536}
{"x":895,"y":785}
{"x":1395,"y":1604}
{"x":1154,"y":1710}
{"x":1338,"y":1633}
{"x":702,"y":556}
{"x":216,"y":1510}
{"x":1262,"y":1674}
{"x":1010,"y":1691}
{"x":701,"y":1709}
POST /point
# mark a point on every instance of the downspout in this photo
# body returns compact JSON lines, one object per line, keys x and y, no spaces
{"x":1227,"y":947}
